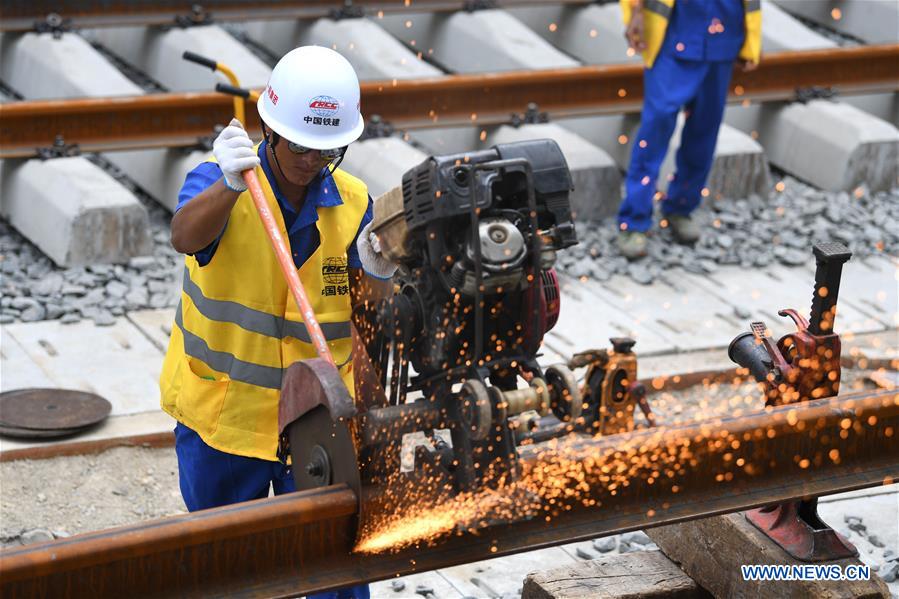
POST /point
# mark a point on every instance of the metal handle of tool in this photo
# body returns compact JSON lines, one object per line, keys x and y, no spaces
{"x":213,"y":65}
{"x":287,"y":266}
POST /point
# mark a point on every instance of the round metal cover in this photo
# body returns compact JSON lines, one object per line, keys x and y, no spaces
{"x":44,"y":410}
{"x":36,"y":433}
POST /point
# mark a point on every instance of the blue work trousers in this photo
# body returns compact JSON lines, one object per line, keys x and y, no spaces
{"x":212,"y":478}
{"x":700,"y":87}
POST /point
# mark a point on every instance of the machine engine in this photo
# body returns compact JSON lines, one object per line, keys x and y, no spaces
{"x":479,"y":240}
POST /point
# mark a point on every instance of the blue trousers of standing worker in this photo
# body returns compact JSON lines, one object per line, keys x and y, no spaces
{"x":212,"y":478}
{"x":700,"y":87}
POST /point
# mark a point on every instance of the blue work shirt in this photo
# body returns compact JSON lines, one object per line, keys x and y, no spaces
{"x":304,"y":238}
{"x":711,"y":30}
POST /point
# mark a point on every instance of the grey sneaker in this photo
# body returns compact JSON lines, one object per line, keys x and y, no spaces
{"x":632,"y":244}
{"x":684,"y":228}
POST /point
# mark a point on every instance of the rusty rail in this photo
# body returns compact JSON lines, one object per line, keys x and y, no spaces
{"x":23,"y":15}
{"x":158,"y":120}
{"x":300,"y":543}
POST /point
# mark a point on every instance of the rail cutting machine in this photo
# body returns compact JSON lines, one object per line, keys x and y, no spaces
{"x":452,"y":355}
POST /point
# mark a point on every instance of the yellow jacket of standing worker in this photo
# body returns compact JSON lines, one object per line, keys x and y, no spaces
{"x":238,"y":328}
{"x":655,"y":22}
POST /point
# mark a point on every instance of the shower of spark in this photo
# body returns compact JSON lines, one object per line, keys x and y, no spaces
{"x":569,"y":472}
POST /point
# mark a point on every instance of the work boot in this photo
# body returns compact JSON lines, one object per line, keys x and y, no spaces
{"x":632,"y":244}
{"x":684,"y":228}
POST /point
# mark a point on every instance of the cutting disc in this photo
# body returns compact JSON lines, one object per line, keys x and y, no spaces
{"x":50,"y":412}
{"x":322,"y":451}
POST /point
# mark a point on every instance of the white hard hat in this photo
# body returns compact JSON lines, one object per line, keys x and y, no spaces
{"x":312,"y":98}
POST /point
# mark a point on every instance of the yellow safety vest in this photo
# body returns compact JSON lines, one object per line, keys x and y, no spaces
{"x":655,"y":22}
{"x":238,"y":328}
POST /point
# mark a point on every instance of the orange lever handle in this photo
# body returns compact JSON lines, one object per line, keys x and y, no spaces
{"x":287,"y":266}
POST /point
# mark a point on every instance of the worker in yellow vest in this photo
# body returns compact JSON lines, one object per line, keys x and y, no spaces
{"x":689,"y":47}
{"x":237,"y":327}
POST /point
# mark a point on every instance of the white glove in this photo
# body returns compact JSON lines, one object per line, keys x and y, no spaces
{"x":234,"y":152}
{"x":373,"y":262}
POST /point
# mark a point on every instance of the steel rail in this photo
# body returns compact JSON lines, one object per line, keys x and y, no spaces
{"x":22,"y":15}
{"x":300,"y":543}
{"x":159,"y":120}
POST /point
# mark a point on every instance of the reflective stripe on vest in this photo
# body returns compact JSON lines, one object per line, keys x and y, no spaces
{"x":257,"y":321}
{"x":658,"y":7}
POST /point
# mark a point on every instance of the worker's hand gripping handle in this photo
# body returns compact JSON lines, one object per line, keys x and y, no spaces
{"x":830,"y":257}
{"x":287,"y":266}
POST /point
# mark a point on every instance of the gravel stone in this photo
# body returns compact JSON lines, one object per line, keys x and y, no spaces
{"x":142,"y":262}
{"x":23,"y":303}
{"x":38,"y":535}
{"x":70,"y":318}
{"x":116,"y":289}
{"x":72,"y":289}
{"x":34,"y":313}
{"x":605,"y":544}
{"x":637,"y":537}
{"x":583,"y":554}
{"x":49,"y":285}
{"x":104,"y":319}
{"x":855,"y":524}
{"x":889,"y":571}
{"x":753,"y":232}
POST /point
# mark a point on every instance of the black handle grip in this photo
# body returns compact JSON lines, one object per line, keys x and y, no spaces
{"x":234,"y":91}
{"x":200,"y":60}
{"x":830,"y":257}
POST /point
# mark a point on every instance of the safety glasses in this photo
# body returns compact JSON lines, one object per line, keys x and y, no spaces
{"x":331,"y":154}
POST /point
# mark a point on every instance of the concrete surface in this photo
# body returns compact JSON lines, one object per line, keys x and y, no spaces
{"x":41,"y":67}
{"x":832,"y":145}
{"x":476,"y":42}
{"x":160,"y":173}
{"x":594,"y":175}
{"x":883,"y":106}
{"x":782,"y":32}
{"x":763,"y":294}
{"x":381,"y":162}
{"x":116,"y":362}
{"x":73,"y":211}
{"x":869,"y":293}
{"x":593,"y":34}
{"x":374,"y":53}
{"x":872,"y":21}
{"x":157,"y":52}
{"x":739,"y":167}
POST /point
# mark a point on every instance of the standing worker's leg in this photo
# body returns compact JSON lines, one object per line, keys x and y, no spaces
{"x":211,"y":478}
{"x":697,"y":148}
{"x":668,"y":85}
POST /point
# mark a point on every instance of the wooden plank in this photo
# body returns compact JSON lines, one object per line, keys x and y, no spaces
{"x":636,"y":575}
{"x":711,"y":551}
